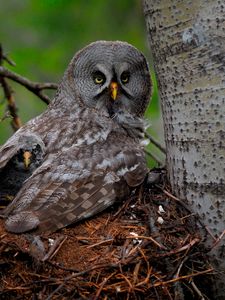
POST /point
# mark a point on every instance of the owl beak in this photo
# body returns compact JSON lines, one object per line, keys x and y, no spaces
{"x":26,"y":158}
{"x":114,"y":90}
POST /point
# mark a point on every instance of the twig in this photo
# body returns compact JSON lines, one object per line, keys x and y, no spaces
{"x":58,"y":266}
{"x":147,"y":238}
{"x":154,"y":157}
{"x":180,"y":266}
{"x":185,"y":247}
{"x":156,"y":143}
{"x":16,"y":122}
{"x":210,"y":233}
{"x":183,"y":277}
{"x":218,"y":239}
{"x":146,"y":280}
{"x":188,"y":208}
{"x":122,"y":209}
{"x":102,"y":285}
{"x":34,"y":87}
{"x":6,"y":115}
{"x":131,"y":287}
{"x":55,"y":248}
{"x":178,"y":200}
{"x":197,"y":290}
{"x":7,"y":59}
{"x":170,"y":195}
{"x":100,"y":243}
{"x":136,"y":271}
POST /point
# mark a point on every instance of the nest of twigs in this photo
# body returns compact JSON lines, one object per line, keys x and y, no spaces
{"x":147,"y":247}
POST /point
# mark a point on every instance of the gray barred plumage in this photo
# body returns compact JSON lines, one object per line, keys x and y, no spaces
{"x":91,"y":131}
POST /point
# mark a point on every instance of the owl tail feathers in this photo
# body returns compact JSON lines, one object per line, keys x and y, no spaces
{"x":22,"y":222}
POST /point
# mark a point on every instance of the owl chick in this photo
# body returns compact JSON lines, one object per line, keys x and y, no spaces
{"x":92,"y":132}
{"x":17,"y":162}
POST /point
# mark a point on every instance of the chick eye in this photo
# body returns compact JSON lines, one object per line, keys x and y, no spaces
{"x":125,"y":76}
{"x":99,"y":78}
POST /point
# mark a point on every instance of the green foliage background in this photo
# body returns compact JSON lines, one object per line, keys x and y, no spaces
{"x":41,"y":36}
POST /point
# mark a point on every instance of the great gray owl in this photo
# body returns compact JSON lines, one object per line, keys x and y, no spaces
{"x":18,"y":160}
{"x":92,"y":132}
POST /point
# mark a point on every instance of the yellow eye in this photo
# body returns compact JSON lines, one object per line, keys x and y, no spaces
{"x":99,"y":80}
{"x":125,"y":77}
{"x":99,"y":77}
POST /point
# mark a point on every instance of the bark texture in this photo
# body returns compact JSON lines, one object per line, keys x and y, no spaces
{"x":187,"y":39}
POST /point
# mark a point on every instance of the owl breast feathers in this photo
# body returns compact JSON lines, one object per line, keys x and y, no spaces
{"x":90,"y":139}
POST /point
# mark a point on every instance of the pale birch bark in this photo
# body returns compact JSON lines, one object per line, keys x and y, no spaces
{"x":187,"y":39}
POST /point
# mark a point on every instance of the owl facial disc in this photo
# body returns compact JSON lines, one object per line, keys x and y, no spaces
{"x":111,"y":77}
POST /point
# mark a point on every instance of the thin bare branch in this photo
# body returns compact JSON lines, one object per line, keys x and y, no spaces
{"x":8,"y":60}
{"x":16,"y":122}
{"x":159,"y":162}
{"x":156,"y":143}
{"x":35,"y":87}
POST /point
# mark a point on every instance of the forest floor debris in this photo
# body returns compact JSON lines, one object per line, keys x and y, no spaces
{"x":148,"y":247}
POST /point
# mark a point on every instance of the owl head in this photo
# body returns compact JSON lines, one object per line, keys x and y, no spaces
{"x":112,"y":77}
{"x":30,"y":153}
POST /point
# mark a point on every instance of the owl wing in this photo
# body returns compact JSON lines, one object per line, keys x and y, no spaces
{"x":59,"y":194}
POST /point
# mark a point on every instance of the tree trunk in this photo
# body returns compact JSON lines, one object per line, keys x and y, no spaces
{"x":187,"y":39}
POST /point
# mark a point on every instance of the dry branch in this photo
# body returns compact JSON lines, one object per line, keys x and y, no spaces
{"x":156,"y":143}
{"x":35,"y":87}
{"x":16,"y":122}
